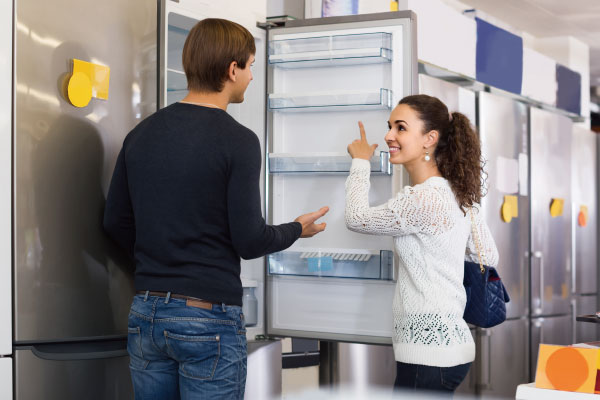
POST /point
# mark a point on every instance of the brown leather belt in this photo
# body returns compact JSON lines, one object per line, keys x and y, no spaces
{"x":190,"y":301}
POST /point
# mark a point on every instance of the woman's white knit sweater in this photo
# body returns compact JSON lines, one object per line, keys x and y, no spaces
{"x":432,"y":237}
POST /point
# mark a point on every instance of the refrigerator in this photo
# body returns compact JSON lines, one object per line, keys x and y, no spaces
{"x":313,"y":80}
{"x":551,"y":226}
{"x":584,"y":163}
{"x":503,"y":351}
{"x":72,"y":287}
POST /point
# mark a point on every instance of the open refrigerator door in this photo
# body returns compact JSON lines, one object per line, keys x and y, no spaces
{"x":323,"y":76}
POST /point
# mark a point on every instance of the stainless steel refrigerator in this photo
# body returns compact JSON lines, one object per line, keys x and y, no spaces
{"x":503,"y":351}
{"x":551,"y":243}
{"x":584,"y":163}
{"x":72,"y":287}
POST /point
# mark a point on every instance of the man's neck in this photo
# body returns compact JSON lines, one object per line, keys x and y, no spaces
{"x":208,"y":99}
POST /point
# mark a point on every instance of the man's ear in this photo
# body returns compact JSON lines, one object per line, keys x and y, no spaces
{"x":431,"y":138}
{"x":231,"y":73}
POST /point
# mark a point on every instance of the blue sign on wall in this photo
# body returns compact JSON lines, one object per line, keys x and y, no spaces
{"x":568,"y":95}
{"x":499,"y":57}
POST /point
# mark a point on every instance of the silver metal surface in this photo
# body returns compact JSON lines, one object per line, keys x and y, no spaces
{"x":550,"y":160}
{"x":586,"y":331}
{"x":353,"y":366}
{"x":548,"y":330}
{"x":70,"y":279}
{"x":585,"y":190}
{"x":264,"y":370}
{"x":99,"y":379}
{"x":504,"y":140}
{"x":505,"y":362}
{"x":468,"y":387}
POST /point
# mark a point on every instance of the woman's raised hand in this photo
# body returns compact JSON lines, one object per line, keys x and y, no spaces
{"x":360,"y":148}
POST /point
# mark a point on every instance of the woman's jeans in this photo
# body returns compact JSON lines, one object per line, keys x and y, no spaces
{"x":184,"y":352}
{"x":413,"y":377}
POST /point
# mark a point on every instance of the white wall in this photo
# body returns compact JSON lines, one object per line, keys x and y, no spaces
{"x":571,"y":53}
{"x":6,"y":13}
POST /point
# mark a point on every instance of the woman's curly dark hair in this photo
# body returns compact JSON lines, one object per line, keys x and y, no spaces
{"x":458,"y":152}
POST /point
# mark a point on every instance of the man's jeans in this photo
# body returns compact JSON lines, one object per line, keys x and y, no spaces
{"x":184,"y":352}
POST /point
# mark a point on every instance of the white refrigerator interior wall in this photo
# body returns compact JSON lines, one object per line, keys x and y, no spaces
{"x":6,"y":21}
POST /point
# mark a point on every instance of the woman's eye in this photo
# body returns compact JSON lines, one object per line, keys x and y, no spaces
{"x":400,"y":128}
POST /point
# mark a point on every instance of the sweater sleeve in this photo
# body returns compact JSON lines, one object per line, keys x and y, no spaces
{"x":481,"y":238}
{"x":119,"y":221}
{"x":250,"y":234}
{"x":399,"y":216}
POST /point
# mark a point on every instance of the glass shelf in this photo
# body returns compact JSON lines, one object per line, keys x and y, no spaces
{"x":339,"y":263}
{"x":332,"y":101}
{"x":334,"y":50}
{"x":281,"y":163}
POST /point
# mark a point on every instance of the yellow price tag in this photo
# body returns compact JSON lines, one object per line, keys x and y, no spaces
{"x":510,"y":208}
{"x":556,"y":207}
{"x":88,"y":80}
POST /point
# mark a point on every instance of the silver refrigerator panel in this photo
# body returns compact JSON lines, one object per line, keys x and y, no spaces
{"x":504,"y":142}
{"x":550,"y":330}
{"x":70,"y":279}
{"x":585,"y":191}
{"x":503,"y":359}
{"x":42,"y":373}
{"x":586,"y":331}
{"x":468,"y":387}
{"x":550,"y":190}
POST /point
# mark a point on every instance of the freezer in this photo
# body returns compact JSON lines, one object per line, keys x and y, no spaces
{"x":548,"y":330}
{"x":73,"y":371}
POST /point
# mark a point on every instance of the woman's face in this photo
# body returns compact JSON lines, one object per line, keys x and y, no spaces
{"x":405,"y":137}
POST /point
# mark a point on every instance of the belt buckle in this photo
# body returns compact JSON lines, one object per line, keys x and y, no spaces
{"x":198,"y":304}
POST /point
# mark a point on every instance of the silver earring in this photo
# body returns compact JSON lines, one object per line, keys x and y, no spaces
{"x":427,"y":158}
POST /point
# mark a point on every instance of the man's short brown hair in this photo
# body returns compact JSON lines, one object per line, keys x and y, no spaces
{"x":210,"y":48}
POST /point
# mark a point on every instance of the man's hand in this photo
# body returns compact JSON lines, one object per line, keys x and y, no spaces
{"x":360,"y":148}
{"x":309,"y":228}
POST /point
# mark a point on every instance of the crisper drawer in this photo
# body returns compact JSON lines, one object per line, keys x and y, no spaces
{"x":73,"y":371}
{"x":339,"y":309}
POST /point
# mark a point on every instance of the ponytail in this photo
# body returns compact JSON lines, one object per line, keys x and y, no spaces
{"x":458,"y":152}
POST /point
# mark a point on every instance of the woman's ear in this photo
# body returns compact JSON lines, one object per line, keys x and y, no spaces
{"x":431,"y":138}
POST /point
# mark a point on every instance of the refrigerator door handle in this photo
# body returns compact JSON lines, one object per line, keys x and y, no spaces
{"x":80,"y":351}
{"x":540,"y":256}
{"x":574,"y":215}
{"x":487,"y":333}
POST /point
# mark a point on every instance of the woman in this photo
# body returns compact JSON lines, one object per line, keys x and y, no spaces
{"x":432,"y":222}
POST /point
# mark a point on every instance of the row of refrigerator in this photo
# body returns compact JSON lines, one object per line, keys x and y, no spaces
{"x":313,"y":80}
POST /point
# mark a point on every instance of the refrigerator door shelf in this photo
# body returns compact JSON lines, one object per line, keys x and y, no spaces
{"x":324,"y":163}
{"x":332,"y":50}
{"x":339,"y":263}
{"x":332,"y":101}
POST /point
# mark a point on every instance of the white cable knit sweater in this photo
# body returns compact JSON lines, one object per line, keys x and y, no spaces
{"x":432,"y":237}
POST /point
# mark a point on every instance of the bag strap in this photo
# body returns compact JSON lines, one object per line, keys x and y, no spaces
{"x":476,"y":240}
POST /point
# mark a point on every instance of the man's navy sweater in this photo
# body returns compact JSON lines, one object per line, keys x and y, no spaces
{"x":184,"y":200}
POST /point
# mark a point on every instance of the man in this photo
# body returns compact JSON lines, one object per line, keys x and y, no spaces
{"x":184,"y":201}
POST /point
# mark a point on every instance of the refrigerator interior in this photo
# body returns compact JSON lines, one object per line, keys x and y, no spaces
{"x":550,"y":174}
{"x":328,"y":286}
